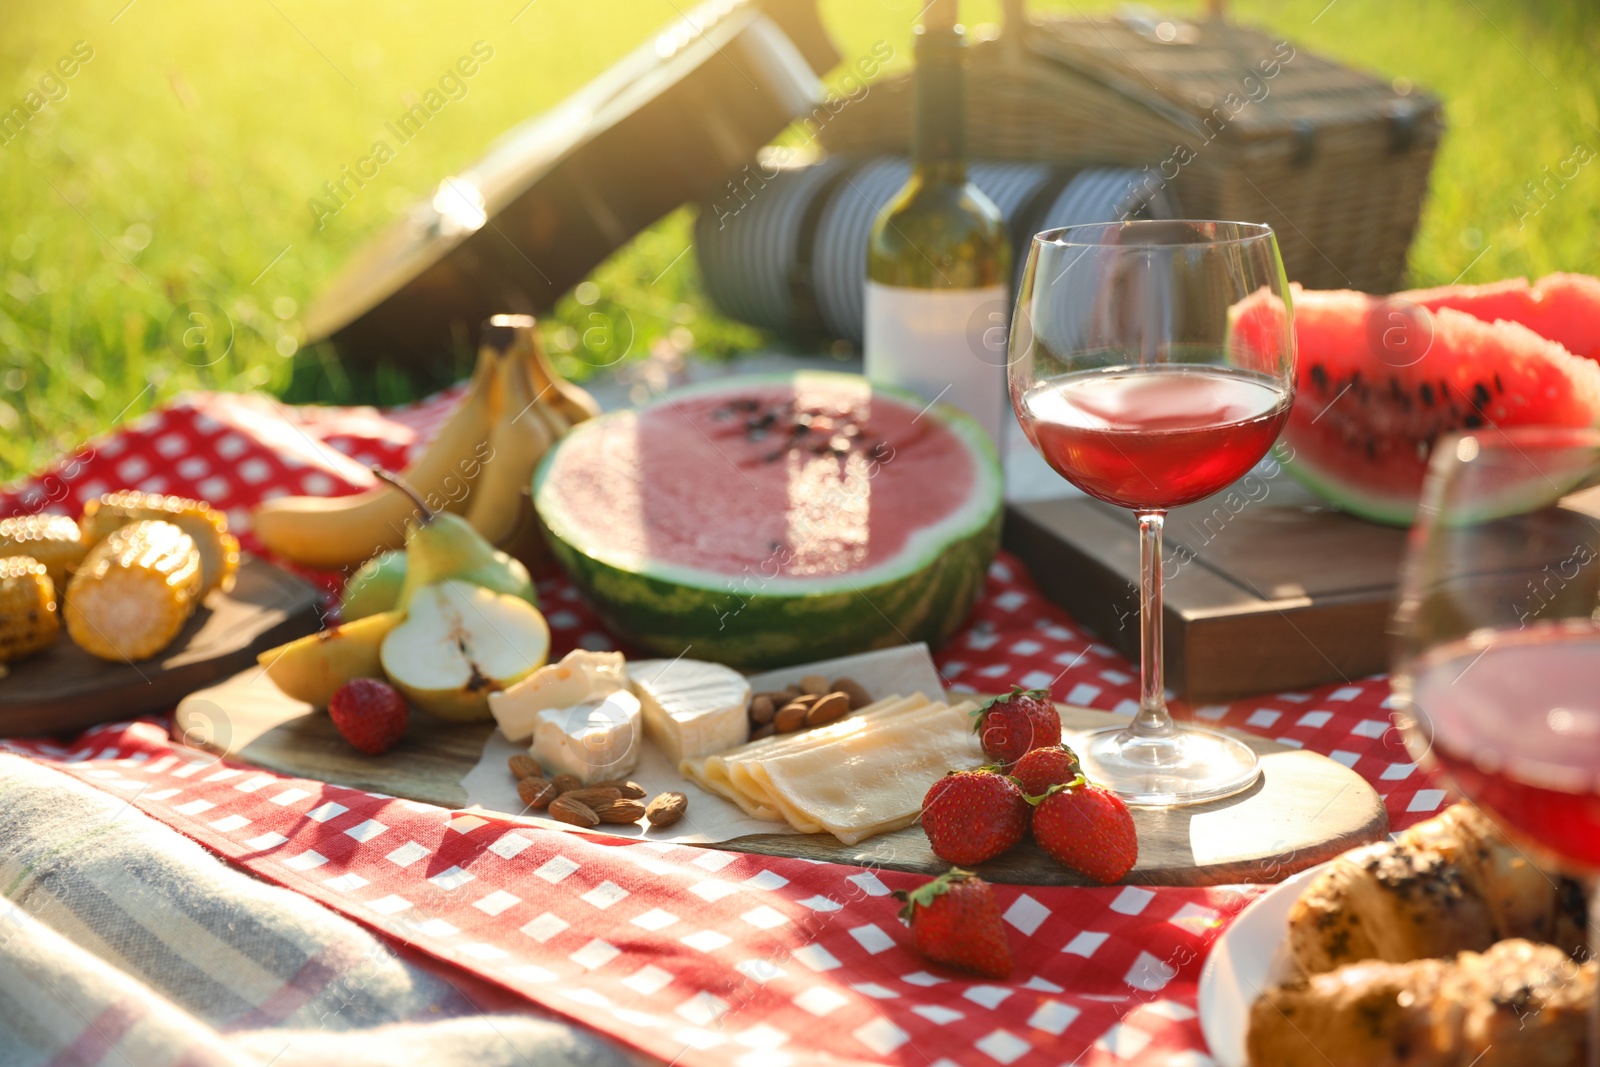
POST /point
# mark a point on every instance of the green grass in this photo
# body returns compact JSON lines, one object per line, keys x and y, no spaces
{"x":179,"y":165}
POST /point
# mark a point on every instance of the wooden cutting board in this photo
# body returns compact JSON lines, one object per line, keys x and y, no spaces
{"x":64,"y":688}
{"x":1306,"y":809}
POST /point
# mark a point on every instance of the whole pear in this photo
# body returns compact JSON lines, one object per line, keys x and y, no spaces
{"x":442,"y":545}
{"x":375,"y":587}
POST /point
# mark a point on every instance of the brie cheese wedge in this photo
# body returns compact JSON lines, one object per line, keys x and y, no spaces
{"x":596,"y":740}
{"x":691,"y":708}
{"x":580,"y":676}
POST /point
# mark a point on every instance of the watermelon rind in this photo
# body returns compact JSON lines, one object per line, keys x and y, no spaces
{"x":753,"y":622}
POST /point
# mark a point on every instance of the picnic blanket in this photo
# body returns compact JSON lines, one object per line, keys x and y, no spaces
{"x":687,"y":955}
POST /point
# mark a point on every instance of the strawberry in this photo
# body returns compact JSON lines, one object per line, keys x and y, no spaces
{"x":1088,"y":829}
{"x":1013,"y":725}
{"x":973,"y":816}
{"x":1042,"y":768}
{"x":955,"y":920}
{"x":369,"y":714}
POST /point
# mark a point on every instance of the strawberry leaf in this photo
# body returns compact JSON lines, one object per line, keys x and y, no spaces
{"x":925,"y":894}
{"x":1059,"y":787}
{"x":1016,"y":691}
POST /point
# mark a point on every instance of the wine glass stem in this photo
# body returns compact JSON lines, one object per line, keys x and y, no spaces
{"x":1152,"y":721}
{"x":1593,"y":1059}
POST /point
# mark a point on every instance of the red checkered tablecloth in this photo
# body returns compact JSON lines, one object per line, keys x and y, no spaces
{"x":693,"y":955}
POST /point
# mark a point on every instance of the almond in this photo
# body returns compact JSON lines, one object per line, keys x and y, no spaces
{"x":525,"y":766}
{"x":762,"y":731}
{"x":536,"y":792}
{"x":592,"y":795}
{"x":814,"y":684}
{"x":666,"y":809}
{"x":621,"y":811}
{"x":832,"y":707}
{"x":573,"y":811}
{"x":566,"y":783}
{"x":859,"y":697}
{"x":629,"y":790}
{"x":762,"y":710}
{"x":790,"y":718}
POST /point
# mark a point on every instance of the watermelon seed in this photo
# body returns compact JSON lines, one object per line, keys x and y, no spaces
{"x":1499,"y":386}
{"x":1426,"y":392}
{"x":1480,"y":396}
{"x":1319,"y":378}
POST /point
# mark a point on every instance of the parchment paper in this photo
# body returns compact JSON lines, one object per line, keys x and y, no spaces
{"x":710,"y":819}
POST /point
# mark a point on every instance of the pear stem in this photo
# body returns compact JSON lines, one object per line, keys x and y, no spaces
{"x":408,"y":489}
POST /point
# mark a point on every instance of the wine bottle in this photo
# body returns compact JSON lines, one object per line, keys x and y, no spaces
{"x":936,"y":300}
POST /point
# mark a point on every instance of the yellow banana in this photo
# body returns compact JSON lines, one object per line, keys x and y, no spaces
{"x":334,"y":532}
{"x":501,"y":507}
{"x":554,"y":392}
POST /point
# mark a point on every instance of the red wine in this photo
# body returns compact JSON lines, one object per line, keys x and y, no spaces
{"x":1158,"y":438}
{"x":1514,"y":719}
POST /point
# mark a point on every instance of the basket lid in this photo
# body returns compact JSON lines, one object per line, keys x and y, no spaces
{"x":1221,"y":78}
{"x":554,"y":196}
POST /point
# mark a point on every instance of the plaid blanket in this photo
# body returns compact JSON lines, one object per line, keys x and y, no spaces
{"x":121,"y":941}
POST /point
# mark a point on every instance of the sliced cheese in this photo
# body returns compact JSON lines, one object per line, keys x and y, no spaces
{"x":874,"y":781}
{"x":580,"y":676}
{"x":596,"y":740}
{"x":713,"y":772}
{"x":691,"y":708}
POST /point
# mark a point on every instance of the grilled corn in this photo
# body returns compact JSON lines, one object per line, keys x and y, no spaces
{"x":28,"y":620}
{"x":53,"y":540}
{"x":219,"y":549}
{"x":134,"y":591}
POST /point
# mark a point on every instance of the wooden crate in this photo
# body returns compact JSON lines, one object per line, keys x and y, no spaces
{"x":1269,"y":588}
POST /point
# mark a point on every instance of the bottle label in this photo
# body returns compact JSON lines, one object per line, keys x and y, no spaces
{"x":943,"y":344}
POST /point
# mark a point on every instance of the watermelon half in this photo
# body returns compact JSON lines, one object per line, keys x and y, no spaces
{"x":1380,"y":380}
{"x":768,"y":520}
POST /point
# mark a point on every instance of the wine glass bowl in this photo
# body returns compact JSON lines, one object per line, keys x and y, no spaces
{"x":1497,"y":633}
{"x":1151,"y":364}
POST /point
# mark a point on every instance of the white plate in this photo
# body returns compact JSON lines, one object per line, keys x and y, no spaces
{"x":1251,"y":954}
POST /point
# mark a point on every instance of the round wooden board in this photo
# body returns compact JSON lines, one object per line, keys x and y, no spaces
{"x":1306,"y":808}
{"x":65,"y":688}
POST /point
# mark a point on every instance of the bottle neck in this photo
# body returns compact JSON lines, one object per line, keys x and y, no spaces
{"x":939,"y":131}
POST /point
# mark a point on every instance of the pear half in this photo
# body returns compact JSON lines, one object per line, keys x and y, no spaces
{"x":312,"y":668}
{"x":459,"y":643}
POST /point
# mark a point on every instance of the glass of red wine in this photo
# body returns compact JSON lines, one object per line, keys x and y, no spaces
{"x":1497,"y":638}
{"x":1151,"y":365}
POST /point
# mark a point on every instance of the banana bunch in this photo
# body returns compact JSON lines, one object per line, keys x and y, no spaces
{"x":480,"y":465}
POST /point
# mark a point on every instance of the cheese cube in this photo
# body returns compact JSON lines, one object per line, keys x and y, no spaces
{"x":580,"y":676}
{"x":596,"y":740}
{"x":691,"y":708}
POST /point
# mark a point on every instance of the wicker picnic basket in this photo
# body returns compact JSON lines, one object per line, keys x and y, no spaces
{"x":1232,"y":122}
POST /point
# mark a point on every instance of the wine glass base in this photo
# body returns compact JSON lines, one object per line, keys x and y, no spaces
{"x":1193,"y":766}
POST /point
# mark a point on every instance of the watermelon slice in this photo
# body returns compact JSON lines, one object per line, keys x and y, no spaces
{"x":1564,"y":308}
{"x":1381,"y":380}
{"x":769,"y":520}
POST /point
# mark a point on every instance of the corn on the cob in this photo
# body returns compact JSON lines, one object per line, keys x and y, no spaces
{"x":53,"y":540}
{"x":28,"y":620}
{"x":219,"y":549}
{"x":134,"y":591}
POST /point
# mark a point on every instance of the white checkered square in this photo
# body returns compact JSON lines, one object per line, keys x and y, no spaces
{"x":555,"y":869}
{"x":604,"y":895}
{"x":324,"y":812}
{"x":366,"y":831}
{"x":1026,"y":914}
{"x":406,"y":854}
{"x":820,"y":1000}
{"x":451,"y":878}
{"x":496,"y":902}
{"x":648,"y":981}
{"x":545,"y":927}
{"x":509,"y":846}
{"x":654,"y":919}
{"x":595,"y":954}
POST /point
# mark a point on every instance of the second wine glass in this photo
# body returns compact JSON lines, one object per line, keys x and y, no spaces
{"x":1151,"y":365}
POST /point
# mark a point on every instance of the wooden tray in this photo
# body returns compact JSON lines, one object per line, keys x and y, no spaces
{"x":64,"y":688}
{"x":1268,"y":588}
{"x":1306,"y":809}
